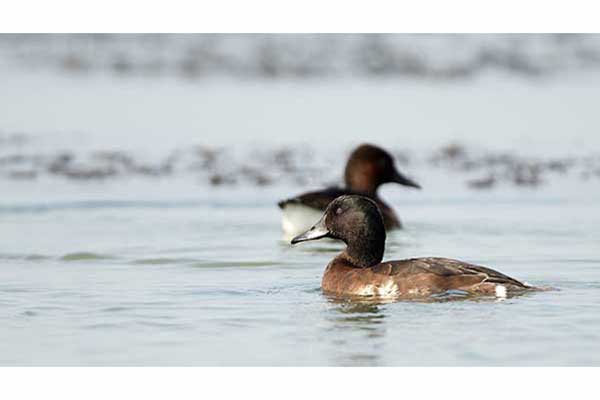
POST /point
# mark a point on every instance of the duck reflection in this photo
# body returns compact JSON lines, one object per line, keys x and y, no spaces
{"x":360,"y":324}
{"x":361,"y":329}
{"x":366,"y":317}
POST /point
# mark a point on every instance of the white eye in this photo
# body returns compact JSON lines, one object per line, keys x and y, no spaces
{"x":338,"y":211}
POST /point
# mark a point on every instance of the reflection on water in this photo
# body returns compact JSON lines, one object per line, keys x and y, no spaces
{"x":358,"y":325}
{"x":361,"y":325}
{"x":359,"y":315}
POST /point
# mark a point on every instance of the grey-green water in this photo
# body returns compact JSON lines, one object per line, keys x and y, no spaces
{"x":209,"y":281}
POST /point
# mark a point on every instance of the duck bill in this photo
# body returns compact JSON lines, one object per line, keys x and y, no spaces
{"x":318,"y":231}
{"x":403,"y":180}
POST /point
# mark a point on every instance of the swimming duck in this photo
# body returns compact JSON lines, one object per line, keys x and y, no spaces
{"x":359,"y":270}
{"x":368,"y":167}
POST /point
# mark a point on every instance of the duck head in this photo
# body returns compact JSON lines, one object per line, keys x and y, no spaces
{"x":370,"y":166}
{"x":355,"y":220}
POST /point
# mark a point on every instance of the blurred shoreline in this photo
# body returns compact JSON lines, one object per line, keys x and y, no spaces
{"x":303,"y":165}
{"x":302,"y":56}
{"x":261,"y":110}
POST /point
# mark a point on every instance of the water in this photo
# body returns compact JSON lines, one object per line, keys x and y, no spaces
{"x":170,"y":270}
{"x":209,"y":281}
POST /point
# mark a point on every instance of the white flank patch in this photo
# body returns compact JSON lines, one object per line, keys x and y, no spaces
{"x":297,"y":219}
{"x":388,"y":289}
{"x":368,"y":290}
{"x":500,"y":291}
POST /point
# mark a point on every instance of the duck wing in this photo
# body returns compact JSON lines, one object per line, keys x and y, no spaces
{"x":319,"y":199}
{"x":447,"y":268}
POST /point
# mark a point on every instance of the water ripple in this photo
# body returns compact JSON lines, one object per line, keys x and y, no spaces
{"x":85,"y":256}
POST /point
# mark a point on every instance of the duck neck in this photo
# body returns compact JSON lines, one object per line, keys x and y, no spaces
{"x":362,"y":184}
{"x":364,"y":252}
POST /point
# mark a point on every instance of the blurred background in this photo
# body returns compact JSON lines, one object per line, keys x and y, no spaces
{"x":247,"y":109}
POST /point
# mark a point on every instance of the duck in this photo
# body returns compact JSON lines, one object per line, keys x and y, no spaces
{"x":359,"y":270}
{"x":368,"y":167}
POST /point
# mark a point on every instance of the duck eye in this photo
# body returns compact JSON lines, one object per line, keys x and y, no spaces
{"x":338,"y":211}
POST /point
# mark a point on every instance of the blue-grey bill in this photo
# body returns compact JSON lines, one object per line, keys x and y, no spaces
{"x":318,"y":231}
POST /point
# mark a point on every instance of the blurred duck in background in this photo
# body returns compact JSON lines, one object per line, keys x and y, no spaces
{"x":367,"y":168}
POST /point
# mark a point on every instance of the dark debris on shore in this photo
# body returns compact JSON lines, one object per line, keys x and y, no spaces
{"x":300,"y":165}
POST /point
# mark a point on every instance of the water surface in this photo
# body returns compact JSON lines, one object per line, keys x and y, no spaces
{"x":208,"y":281}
